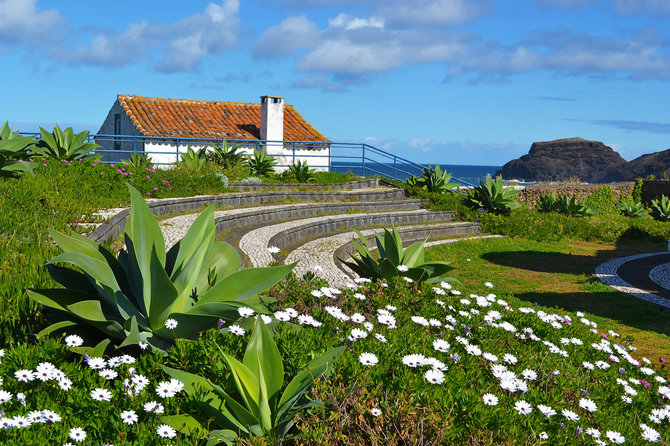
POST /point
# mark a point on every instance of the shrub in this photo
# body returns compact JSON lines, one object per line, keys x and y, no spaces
{"x":14,"y":152}
{"x":433,"y":180}
{"x":260,"y":163}
{"x":602,"y":201}
{"x":65,"y":145}
{"x":493,"y":196}
{"x":546,"y":202}
{"x":301,"y":172}
{"x":224,"y":155}
{"x":192,"y":160}
{"x":138,"y":161}
{"x":570,"y":206}
{"x":632,"y":209}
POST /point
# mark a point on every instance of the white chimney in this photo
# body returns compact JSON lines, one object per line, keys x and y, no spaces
{"x":272,"y":118}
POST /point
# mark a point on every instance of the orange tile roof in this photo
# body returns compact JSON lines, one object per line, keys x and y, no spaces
{"x":187,"y":118}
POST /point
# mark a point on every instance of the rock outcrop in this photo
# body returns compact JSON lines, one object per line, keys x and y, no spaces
{"x":650,"y":164}
{"x":562,"y":159}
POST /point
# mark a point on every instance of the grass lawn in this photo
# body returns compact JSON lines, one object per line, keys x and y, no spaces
{"x":558,"y":275}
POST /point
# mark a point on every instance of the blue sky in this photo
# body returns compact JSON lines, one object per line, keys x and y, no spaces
{"x":448,"y":81}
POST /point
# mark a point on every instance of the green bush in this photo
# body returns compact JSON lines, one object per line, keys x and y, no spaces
{"x":260,"y":163}
{"x":602,"y":201}
{"x":660,"y":209}
{"x":493,"y":196}
{"x":571,"y":207}
{"x":65,"y":145}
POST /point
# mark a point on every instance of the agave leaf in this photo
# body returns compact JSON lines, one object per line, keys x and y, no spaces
{"x":414,"y":254}
{"x":55,"y":327}
{"x":223,"y":259}
{"x":219,"y":436}
{"x":90,"y":310}
{"x":244,"y":284}
{"x":163,"y":294}
{"x":52,"y":145}
{"x":56,"y":298}
{"x":76,"y":243}
{"x":183,"y":423}
{"x":145,"y":237}
{"x":265,"y":415}
{"x":246,"y":383}
{"x":303,"y":381}
{"x":263,"y":359}
{"x":212,"y":403}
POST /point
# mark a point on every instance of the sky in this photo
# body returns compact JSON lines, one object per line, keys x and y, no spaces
{"x":434,"y":81}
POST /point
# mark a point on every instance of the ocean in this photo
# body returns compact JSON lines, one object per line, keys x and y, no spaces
{"x":466,"y":173}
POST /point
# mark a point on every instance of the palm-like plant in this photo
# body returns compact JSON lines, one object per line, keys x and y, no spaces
{"x":259,"y":407}
{"x":260,"y":163}
{"x":192,"y":160}
{"x":494,"y":196}
{"x":129,"y":298}
{"x":301,"y":171}
{"x":138,"y":161}
{"x":65,"y":145}
{"x":572,"y":207}
{"x":660,"y":209}
{"x":394,"y":261}
{"x":633,"y":209}
{"x":434,"y":180}
{"x":225,"y":155}
{"x":546,"y":202}
{"x":14,"y":150}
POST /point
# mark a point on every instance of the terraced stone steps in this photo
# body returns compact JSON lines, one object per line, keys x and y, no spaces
{"x":114,"y":227}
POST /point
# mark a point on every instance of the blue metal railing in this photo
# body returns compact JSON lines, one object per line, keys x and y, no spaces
{"x":359,"y":159}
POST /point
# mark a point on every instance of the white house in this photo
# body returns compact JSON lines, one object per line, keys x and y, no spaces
{"x":162,"y":128}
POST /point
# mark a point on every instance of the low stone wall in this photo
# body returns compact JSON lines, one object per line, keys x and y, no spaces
{"x":530,"y":193}
{"x":652,"y":190}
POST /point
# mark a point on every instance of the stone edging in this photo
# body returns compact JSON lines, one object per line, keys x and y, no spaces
{"x":360,"y":184}
{"x":259,"y":216}
{"x":607,"y":274}
{"x":114,"y":227}
{"x":293,"y":235}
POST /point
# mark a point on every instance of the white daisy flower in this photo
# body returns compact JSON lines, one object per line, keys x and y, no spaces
{"x":368,"y":359}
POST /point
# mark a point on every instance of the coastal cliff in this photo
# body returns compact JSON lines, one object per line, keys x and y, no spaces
{"x":590,"y":161}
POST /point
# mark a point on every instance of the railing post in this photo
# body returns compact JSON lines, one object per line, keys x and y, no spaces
{"x":363,"y":161}
{"x":395,"y":169}
{"x":330,"y":164}
{"x":177,"y":154}
{"x":134,"y":146}
{"x":293,"y":152}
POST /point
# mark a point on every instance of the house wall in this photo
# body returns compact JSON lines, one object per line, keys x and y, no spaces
{"x":116,"y":148}
{"x":166,"y":153}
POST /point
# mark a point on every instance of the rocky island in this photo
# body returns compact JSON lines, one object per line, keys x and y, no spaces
{"x":589,"y":161}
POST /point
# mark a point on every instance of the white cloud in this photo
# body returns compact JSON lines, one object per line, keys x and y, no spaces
{"x":22,"y":22}
{"x":651,"y":7}
{"x":290,"y":35}
{"x":349,"y":22}
{"x":440,"y":12}
{"x":179,"y":46}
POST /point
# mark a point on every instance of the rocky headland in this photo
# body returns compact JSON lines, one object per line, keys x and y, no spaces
{"x":589,"y":161}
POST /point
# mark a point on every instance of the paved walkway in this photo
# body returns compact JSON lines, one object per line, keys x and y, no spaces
{"x":645,"y":276}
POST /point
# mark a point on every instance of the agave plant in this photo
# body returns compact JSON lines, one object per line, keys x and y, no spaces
{"x":65,"y":145}
{"x":138,"y":161}
{"x":260,"y":163}
{"x":301,"y":171}
{"x":570,"y":206}
{"x":395,"y":261}
{"x":413,"y":181}
{"x":546,"y":202}
{"x":633,"y":209}
{"x":494,"y":196}
{"x":129,"y":298}
{"x":192,"y":160}
{"x":225,"y":155}
{"x":434,"y":180}
{"x":259,"y":408}
{"x":660,"y":209}
{"x":14,"y":152}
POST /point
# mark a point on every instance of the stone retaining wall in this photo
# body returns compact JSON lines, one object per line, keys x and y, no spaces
{"x":530,"y":193}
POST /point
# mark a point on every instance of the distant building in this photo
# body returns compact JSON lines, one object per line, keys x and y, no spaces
{"x":138,"y":124}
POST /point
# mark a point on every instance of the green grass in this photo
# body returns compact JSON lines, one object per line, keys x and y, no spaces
{"x":558,"y":275}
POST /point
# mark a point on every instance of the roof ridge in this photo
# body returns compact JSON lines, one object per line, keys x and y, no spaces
{"x":137,"y":96}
